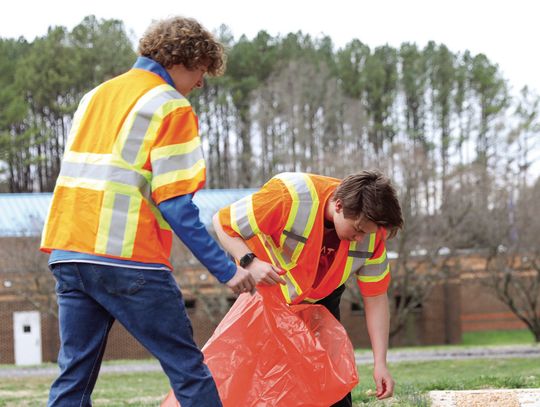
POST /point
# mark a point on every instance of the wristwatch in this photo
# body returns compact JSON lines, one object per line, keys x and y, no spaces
{"x":246,"y":259}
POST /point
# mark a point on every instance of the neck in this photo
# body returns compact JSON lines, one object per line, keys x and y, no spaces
{"x":329,"y":210}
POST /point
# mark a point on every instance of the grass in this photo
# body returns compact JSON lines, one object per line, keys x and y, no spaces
{"x":476,"y":339}
{"x":414,"y":380}
{"x":483,"y":338}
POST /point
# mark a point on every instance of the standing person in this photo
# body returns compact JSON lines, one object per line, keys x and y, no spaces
{"x":131,"y":165}
{"x":309,"y":233}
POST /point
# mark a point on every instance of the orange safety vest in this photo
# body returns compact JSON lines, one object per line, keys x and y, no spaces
{"x":283,"y":224}
{"x":133,"y":143}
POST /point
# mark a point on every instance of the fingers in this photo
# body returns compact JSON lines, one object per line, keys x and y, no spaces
{"x":274,"y":278}
{"x":379,"y":387}
{"x":279,"y":271}
{"x":387,"y":389}
{"x":242,"y":282}
{"x":248,"y":284}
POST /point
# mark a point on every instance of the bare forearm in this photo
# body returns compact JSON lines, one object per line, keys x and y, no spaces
{"x":378,"y":325}
{"x":234,"y":245}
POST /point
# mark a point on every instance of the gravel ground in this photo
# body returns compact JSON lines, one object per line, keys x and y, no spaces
{"x":507,"y":351}
{"x":514,"y":351}
{"x":486,"y":398}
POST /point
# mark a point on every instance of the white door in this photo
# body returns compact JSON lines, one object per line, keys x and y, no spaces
{"x":27,"y":336}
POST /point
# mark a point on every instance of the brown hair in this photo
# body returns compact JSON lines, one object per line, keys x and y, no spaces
{"x":179,"y":40}
{"x":372,"y":195}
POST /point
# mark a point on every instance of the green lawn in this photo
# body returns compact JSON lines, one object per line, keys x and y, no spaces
{"x":483,"y":338}
{"x":514,"y":337}
{"x":413,"y":381}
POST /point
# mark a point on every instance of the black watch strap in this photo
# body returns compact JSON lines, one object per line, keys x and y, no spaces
{"x":246,"y":259}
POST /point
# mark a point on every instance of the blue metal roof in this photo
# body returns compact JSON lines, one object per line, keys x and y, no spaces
{"x":24,"y":214}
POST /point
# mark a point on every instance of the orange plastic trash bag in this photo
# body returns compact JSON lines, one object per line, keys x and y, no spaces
{"x":267,"y":353}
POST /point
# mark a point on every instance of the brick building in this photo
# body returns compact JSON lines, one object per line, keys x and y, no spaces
{"x":460,"y":304}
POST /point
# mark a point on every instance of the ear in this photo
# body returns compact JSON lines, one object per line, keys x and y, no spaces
{"x":338,"y":205}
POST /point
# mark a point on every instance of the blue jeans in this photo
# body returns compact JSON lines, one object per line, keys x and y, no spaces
{"x":149,"y":304}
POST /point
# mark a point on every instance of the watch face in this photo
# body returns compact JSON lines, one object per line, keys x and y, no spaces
{"x":246,"y":259}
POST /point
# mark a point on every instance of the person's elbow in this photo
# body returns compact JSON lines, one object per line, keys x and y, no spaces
{"x":216,"y":223}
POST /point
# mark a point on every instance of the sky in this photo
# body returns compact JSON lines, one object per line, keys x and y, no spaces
{"x":507,"y":31}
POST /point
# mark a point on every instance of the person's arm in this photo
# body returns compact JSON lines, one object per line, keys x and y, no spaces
{"x":378,"y":325}
{"x":262,"y":271}
{"x":183,"y":217}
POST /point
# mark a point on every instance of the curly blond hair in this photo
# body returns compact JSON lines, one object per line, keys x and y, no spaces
{"x":180,"y":40}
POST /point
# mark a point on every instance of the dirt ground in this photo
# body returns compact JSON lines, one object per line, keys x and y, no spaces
{"x":486,"y":398}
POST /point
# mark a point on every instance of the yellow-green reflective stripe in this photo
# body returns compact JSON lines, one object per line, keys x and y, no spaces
{"x":117,"y":225}
{"x":180,"y":175}
{"x":294,"y":283}
{"x":177,"y":162}
{"x":372,"y":238}
{"x":373,"y":269}
{"x":301,"y":216}
{"x":243,"y":217}
{"x":163,"y":224}
{"x":131,"y":226}
{"x":374,"y":279}
{"x":103,"y":160}
{"x":77,"y":117}
{"x":291,"y":286}
{"x":294,"y":209}
{"x":270,"y":253}
{"x":96,"y":185}
{"x":105,"y":217}
{"x":234,"y":225}
{"x":176,"y":149}
{"x":117,"y":233}
{"x":155,"y":124}
{"x":378,"y":260}
{"x":285,"y":265}
{"x":106,"y":173}
{"x":348,"y":265}
{"x":291,"y":290}
{"x":88,"y":158}
{"x":285,"y":292}
{"x":138,"y":125}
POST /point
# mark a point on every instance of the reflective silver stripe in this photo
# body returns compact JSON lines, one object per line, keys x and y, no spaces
{"x":373,"y":269}
{"x":357,"y":265}
{"x":106,"y":173}
{"x":118,"y":224}
{"x":242,"y":217}
{"x":293,"y":294}
{"x":360,"y":254}
{"x":297,"y":233}
{"x":141,"y":122}
{"x":176,"y":162}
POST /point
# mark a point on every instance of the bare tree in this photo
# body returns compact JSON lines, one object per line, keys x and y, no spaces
{"x":27,"y":272}
{"x":513,"y":260}
{"x":212,"y":299}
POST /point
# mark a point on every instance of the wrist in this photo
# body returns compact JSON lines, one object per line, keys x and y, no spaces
{"x":246,"y":259}
{"x":379,"y":363}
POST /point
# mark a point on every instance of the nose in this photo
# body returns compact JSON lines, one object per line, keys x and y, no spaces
{"x":358,"y":237}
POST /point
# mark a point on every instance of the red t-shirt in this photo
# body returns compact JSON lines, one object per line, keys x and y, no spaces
{"x":328,"y":253}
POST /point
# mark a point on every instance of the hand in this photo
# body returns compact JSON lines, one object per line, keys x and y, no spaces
{"x":242,"y":282}
{"x":265,"y":273}
{"x":383,"y":381}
